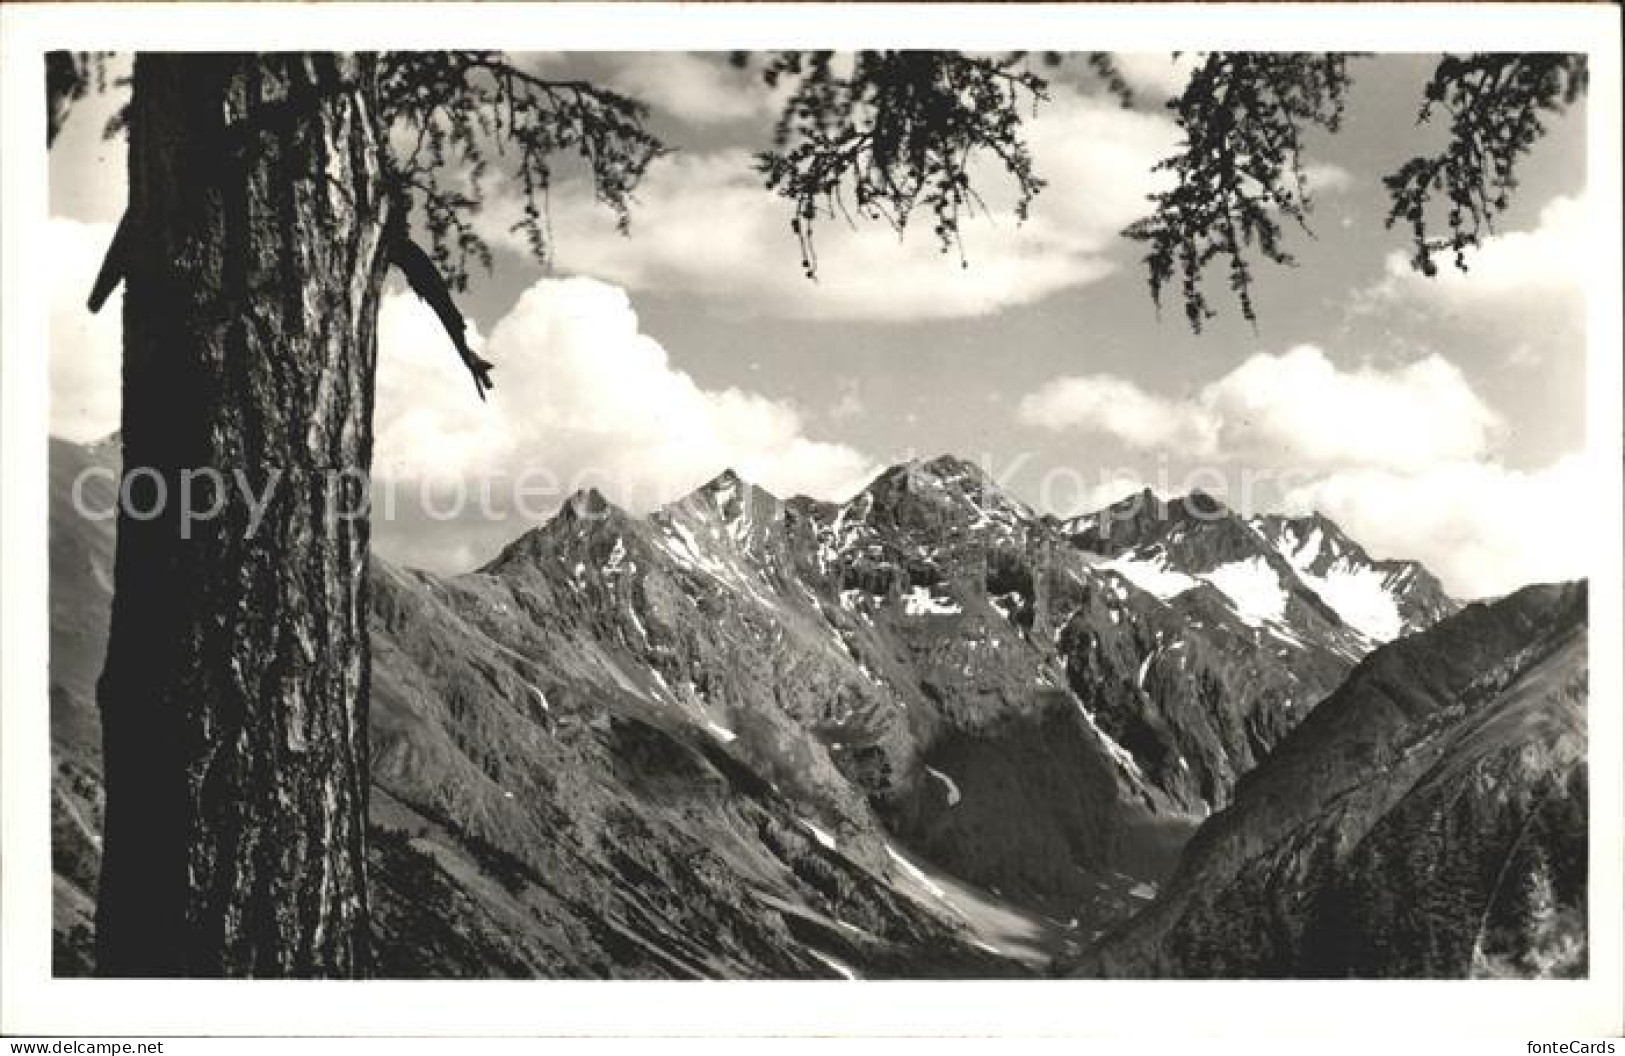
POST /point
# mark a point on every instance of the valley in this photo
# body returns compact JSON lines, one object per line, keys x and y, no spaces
{"x":927,"y":732}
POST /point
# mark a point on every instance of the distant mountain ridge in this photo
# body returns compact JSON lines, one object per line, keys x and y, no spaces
{"x":1165,"y":545}
{"x":923,"y":731}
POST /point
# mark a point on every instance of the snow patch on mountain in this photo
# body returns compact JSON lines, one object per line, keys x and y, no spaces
{"x":1254,"y":590}
{"x":1151,"y":575}
{"x":1301,"y":555}
{"x":1360,"y":596}
{"x":724,"y":489}
{"x":1252,"y":587}
{"x":1009,"y":603}
{"x":680,"y":543}
{"x":845,"y":971}
{"x":920,"y":601}
{"x":948,"y":786}
{"x":1145,"y":666}
{"x":824,"y":839}
{"x":1122,"y":755}
{"x":916,"y":874}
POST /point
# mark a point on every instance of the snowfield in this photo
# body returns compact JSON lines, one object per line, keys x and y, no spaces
{"x":1151,"y":575}
{"x":1254,"y":590}
{"x":1361,"y":598}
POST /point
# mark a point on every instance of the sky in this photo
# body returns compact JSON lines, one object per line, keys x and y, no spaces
{"x":1433,"y":419}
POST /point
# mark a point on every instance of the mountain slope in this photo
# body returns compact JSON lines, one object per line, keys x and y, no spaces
{"x":1221,"y":619}
{"x":1381,"y":599}
{"x":586,"y":835}
{"x":1428,"y":819}
{"x":921,"y":732}
{"x":83,"y":486}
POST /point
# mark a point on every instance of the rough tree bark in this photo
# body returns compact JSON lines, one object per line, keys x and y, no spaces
{"x":234,"y":694}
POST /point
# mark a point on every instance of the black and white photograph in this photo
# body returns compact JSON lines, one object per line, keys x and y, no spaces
{"x":886,"y":513}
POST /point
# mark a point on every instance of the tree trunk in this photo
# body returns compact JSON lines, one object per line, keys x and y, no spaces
{"x":235,"y":691}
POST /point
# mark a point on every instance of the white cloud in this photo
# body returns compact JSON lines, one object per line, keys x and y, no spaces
{"x":1484,"y":529}
{"x":1405,"y":459}
{"x":87,"y":178}
{"x":1519,"y":272}
{"x":1296,"y":409}
{"x":699,"y":89}
{"x":1161,"y":75}
{"x":581,"y":394}
{"x":1105,"y":403}
{"x":428,"y":423}
{"x":86,"y":350}
{"x":587,"y":399}
{"x":1301,"y":407}
{"x":1324,"y":178}
{"x":1088,"y":498}
{"x":704,"y":226}
{"x":583,"y":398}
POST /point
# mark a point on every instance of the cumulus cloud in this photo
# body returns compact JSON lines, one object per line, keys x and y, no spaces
{"x":1293,"y":409}
{"x":428,"y":424}
{"x":583,"y":398}
{"x":1515,"y":272}
{"x":1077,"y":497}
{"x":702,"y":89}
{"x":86,"y":350}
{"x":1114,"y":406}
{"x":1323,"y":178}
{"x":1484,"y":529}
{"x":1406,"y":459}
{"x":705,"y":227}
{"x":87,"y":169}
{"x":1301,"y":406}
{"x":1158,"y":74}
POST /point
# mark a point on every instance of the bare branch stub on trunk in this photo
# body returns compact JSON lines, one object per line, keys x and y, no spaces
{"x":426,"y":281}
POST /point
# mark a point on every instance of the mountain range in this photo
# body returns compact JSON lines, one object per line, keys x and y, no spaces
{"x":923,"y":732}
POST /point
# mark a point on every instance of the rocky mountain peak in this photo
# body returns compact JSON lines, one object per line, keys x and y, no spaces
{"x":729,"y":498}
{"x":582,"y":516}
{"x":1143,"y":519}
{"x":588,"y":504}
{"x":948,"y":467}
{"x":1198,"y":506}
{"x":814,"y":697}
{"x":1382,"y":599}
{"x":946,"y":495}
{"x":728,"y":480}
{"x":919,"y":476}
{"x":1313,"y":541}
